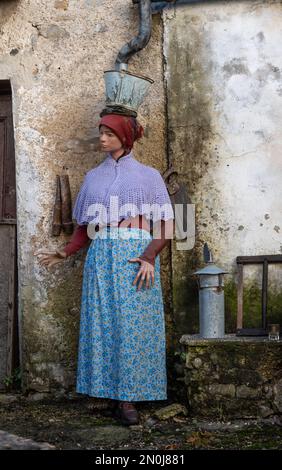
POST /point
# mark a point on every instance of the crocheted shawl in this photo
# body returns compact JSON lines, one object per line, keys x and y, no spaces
{"x":116,"y":190}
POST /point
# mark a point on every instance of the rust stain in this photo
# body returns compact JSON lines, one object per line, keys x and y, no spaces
{"x":61,"y":4}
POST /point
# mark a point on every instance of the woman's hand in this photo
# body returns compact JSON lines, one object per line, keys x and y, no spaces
{"x":146,"y":272}
{"x":49,"y":258}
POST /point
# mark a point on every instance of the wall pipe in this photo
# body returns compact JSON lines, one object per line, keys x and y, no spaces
{"x":146,"y":9}
{"x":141,"y":40}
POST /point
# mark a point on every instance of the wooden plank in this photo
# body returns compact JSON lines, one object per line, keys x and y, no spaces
{"x":7,"y":160}
{"x":6,"y":273}
{"x":259,"y":259}
{"x":240,"y":297}
{"x":251,"y":332}
{"x":8,"y":221}
{"x":5,"y":87}
{"x":8,"y":264}
{"x":11,"y":301}
{"x":10,"y":210}
{"x":264,"y":293}
{"x":2,"y":158}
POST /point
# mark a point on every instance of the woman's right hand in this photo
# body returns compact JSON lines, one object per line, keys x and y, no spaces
{"x":49,"y":258}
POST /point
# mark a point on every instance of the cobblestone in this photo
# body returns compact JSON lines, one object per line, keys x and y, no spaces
{"x":12,"y":442}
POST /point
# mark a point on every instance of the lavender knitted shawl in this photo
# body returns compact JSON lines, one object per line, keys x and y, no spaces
{"x":121,"y":189}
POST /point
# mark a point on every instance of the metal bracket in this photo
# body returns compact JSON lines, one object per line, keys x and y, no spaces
{"x":171,"y":187}
{"x":265,"y":260}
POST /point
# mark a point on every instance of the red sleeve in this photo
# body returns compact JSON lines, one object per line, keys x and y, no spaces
{"x":78,"y":240}
{"x":157,"y":244}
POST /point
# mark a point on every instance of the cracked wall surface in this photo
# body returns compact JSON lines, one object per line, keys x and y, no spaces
{"x":55,"y":52}
{"x":222,"y":74}
{"x":224,"y":86}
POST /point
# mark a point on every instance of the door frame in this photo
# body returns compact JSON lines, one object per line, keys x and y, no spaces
{"x":13,"y":357}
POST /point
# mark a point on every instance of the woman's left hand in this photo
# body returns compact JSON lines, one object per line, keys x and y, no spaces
{"x":146,"y":272}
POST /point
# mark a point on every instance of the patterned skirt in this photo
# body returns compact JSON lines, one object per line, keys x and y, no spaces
{"x":122,"y":347}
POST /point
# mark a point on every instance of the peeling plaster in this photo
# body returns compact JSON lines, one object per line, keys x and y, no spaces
{"x":223,"y":77}
{"x":55,"y":52}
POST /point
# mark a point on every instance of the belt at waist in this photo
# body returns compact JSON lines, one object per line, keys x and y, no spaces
{"x":140,"y":225}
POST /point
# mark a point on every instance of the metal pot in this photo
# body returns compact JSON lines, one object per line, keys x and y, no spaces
{"x":126,"y":90}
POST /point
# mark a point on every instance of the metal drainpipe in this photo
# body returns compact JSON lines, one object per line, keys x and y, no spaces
{"x":141,"y":40}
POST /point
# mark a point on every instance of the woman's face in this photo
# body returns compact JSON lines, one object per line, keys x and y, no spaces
{"x":109,"y":141}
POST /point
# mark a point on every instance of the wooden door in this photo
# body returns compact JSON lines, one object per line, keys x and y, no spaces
{"x":8,"y":260}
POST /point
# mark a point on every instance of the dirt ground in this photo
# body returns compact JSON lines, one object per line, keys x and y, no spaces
{"x":89,"y":424}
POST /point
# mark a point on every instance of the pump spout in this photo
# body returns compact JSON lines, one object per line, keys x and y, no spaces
{"x":141,"y":40}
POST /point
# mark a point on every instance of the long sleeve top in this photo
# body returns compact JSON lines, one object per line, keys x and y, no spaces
{"x":79,"y":240}
{"x":138,"y":189}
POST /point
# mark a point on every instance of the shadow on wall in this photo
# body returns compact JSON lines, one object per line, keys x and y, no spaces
{"x":7,"y":8}
{"x":187,"y":300}
{"x":252,"y":305}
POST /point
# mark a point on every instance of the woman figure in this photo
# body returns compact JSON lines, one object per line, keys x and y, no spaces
{"x":122,"y":347}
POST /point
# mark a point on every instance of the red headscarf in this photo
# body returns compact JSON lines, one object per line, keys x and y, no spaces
{"x":126,"y":128}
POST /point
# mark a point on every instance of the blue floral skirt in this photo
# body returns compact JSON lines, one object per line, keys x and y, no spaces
{"x":122,"y":346}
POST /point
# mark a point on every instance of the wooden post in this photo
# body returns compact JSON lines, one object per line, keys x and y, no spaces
{"x":66,"y":205}
{"x":240,"y":297}
{"x":57,"y":212}
{"x":264,"y":292}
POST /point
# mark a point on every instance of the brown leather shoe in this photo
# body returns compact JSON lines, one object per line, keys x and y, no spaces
{"x":127,"y":413}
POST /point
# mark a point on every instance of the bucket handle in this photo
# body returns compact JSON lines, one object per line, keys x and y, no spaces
{"x":171,"y":187}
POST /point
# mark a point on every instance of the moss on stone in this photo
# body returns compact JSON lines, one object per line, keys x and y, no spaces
{"x":235,"y":378}
{"x":252,"y":306}
{"x":186,"y":304}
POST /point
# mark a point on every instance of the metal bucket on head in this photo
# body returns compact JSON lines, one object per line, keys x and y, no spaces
{"x":125,"y":89}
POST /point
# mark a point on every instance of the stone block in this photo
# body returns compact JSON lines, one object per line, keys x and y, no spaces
{"x":170,"y":411}
{"x":197,"y":363}
{"x":243,"y":391}
{"x":6,"y":398}
{"x":225,"y":390}
{"x":277,"y":389}
{"x":265,"y":411}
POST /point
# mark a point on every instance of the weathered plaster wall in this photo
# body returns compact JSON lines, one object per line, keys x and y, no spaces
{"x":224,"y":84}
{"x":231,"y":378}
{"x":54,"y":52}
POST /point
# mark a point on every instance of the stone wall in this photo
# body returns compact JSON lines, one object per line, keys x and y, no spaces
{"x":55,"y":52}
{"x":224,"y":87}
{"x":224,"y":126}
{"x":231,"y":377}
